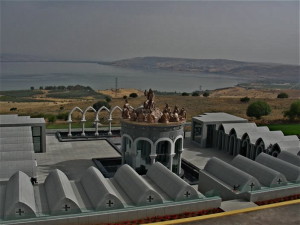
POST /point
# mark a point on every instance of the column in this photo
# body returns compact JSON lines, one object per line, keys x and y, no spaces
{"x":96,"y":132}
{"x":171,"y":160}
{"x":109,"y":131}
{"x":179,"y":161}
{"x":83,"y":127}
{"x":152,"y":157}
{"x":70,"y":128}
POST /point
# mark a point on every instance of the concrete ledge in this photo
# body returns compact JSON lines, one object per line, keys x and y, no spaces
{"x":133,"y":213}
{"x":268,"y":194}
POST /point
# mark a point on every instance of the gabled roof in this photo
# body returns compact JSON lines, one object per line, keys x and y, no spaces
{"x":171,"y":184}
{"x":19,"y":194}
{"x":231,"y":175}
{"x":265,"y":175}
{"x":289,"y":157}
{"x":60,"y":193}
{"x":137,"y":189}
{"x":99,"y":191}
{"x":290,"y":171}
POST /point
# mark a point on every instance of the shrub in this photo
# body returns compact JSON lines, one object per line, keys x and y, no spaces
{"x":282,"y":95}
{"x":185,"y":94}
{"x":245,"y":99}
{"x":108,"y":99}
{"x":99,"y":104}
{"x":63,"y":116}
{"x":206,"y":94}
{"x":13,"y":109}
{"x":294,"y":111}
{"x":195,"y":93}
{"x":125,"y":97}
{"x":258,"y":109}
{"x":51,"y":118}
{"x":133,"y":95}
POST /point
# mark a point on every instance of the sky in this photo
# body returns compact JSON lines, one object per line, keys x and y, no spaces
{"x":110,"y":30}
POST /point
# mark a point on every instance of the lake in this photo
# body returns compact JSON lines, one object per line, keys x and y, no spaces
{"x":23,"y":75}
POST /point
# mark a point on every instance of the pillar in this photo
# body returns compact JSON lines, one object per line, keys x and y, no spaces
{"x":179,"y":161}
{"x":109,"y":131}
{"x":96,"y":130}
{"x":70,"y":128}
{"x":83,"y":127}
{"x":152,"y":157}
{"x":171,"y":161}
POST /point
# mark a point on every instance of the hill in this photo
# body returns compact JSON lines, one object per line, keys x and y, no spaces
{"x":255,"y":71}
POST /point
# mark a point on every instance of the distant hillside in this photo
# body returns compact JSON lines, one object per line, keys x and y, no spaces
{"x":268,"y":71}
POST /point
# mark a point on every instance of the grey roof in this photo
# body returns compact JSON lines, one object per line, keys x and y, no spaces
{"x":60,"y":194}
{"x":266,"y":176}
{"x":219,"y":117}
{"x":14,"y":140}
{"x":289,"y":157}
{"x":137,"y":189}
{"x":231,"y":175}
{"x":99,"y":191}
{"x":15,"y":131}
{"x":16,"y":156}
{"x":8,"y":168}
{"x":170,"y":183}
{"x":290,"y":171}
{"x":292,"y":146}
{"x":14,"y":119}
{"x":240,"y":128}
{"x":19,"y":195}
{"x":16,"y":147}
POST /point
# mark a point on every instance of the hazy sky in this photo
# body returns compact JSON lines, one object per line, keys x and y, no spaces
{"x":101,"y":30}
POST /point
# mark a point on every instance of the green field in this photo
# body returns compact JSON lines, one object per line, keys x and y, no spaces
{"x":287,"y":129}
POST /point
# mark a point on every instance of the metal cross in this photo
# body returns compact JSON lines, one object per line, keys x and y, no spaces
{"x":20,"y":212}
{"x":279,"y":181}
{"x":252,"y":185}
{"x":187,"y":194}
{"x":109,"y":203}
{"x":150,"y":198}
{"x":66,"y":207}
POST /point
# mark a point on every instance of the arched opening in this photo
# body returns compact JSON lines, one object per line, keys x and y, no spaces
{"x":143,"y":151}
{"x":88,"y":114}
{"x":259,"y":147}
{"x":163,"y":150}
{"x":70,"y":119}
{"x":275,"y":150}
{"x":220,"y":139}
{"x":126,"y":147}
{"x":232,"y":142}
{"x":119,"y":113}
{"x":176,"y":158}
{"x":245,"y":145}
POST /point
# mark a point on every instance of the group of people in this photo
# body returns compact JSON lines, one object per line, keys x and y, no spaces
{"x":149,"y":113}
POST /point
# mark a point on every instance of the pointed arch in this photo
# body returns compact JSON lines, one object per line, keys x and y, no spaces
{"x":76,"y":108}
{"x":113,"y":109}
{"x":90,"y":108}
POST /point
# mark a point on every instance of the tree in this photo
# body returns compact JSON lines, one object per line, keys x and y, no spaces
{"x":133,"y":95}
{"x":108,"y":99}
{"x":51,"y":118}
{"x":185,"y":94}
{"x":294,"y":111}
{"x":125,"y":97}
{"x":245,"y":99}
{"x":282,"y":95}
{"x":206,"y":94}
{"x":258,"y":109}
{"x":32,"y":88}
{"x":99,"y":104}
{"x":195,"y":93}
{"x":41,"y":87}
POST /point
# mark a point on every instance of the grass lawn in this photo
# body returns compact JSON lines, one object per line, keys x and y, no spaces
{"x":287,"y":129}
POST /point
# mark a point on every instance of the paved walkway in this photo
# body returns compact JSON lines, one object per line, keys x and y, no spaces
{"x":199,"y":156}
{"x":284,"y":215}
{"x":73,"y":158}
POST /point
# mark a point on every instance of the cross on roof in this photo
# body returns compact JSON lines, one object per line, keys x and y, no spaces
{"x":109,"y":203}
{"x":66,"y":207}
{"x":279,"y":181}
{"x":20,"y":212}
{"x":252,"y":185}
{"x":150,"y":198}
{"x":187,"y":194}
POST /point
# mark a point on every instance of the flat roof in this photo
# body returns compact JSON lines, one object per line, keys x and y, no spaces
{"x":14,"y":119}
{"x":218,"y":117}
